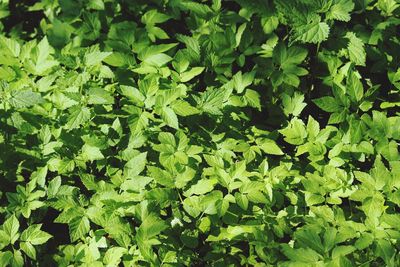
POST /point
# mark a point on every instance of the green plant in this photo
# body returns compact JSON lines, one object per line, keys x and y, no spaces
{"x":199,"y":133}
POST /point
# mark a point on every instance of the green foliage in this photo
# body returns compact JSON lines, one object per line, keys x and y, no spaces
{"x":199,"y":133}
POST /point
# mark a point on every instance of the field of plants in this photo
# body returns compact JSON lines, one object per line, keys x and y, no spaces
{"x":200,"y":133}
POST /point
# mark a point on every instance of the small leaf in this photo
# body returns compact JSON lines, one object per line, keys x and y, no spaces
{"x":183,"y":108}
{"x":188,"y":75}
{"x":10,"y":45}
{"x":269,"y":147}
{"x":34,"y":235}
{"x":136,"y":165}
{"x":11,"y":227}
{"x":340,"y":10}
{"x":202,"y":187}
{"x":356,"y":49}
{"x":169,"y":116}
{"x":313,"y":32}
{"x":154,"y":17}
{"x":91,"y":153}
{"x":78,"y":227}
{"x":113,"y":256}
{"x":95,"y":57}
{"x":28,"y":249}
{"x":328,"y":104}
{"x":25,"y":98}
{"x":157,"y":60}
{"x":253,"y":98}
{"x":79,"y":115}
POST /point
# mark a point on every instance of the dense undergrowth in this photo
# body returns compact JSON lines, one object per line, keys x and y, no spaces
{"x":199,"y":133}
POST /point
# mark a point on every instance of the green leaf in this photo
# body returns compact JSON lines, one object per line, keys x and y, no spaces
{"x":213,"y":100}
{"x":5,"y":258}
{"x":78,"y":227}
{"x":96,"y":4}
{"x":10,"y":45}
{"x":356,"y":49}
{"x":188,"y":75}
{"x":203,"y":11}
{"x":394,"y":78}
{"x":17,"y":259}
{"x":43,"y":51}
{"x":113,"y":256}
{"x":25,"y":98}
{"x":169,"y":117}
{"x":295,"y":132}
{"x":157,"y":60}
{"x":287,"y":57}
{"x":240,"y":82}
{"x":136,"y":165}
{"x":269,"y":146}
{"x":200,"y":188}
{"x":95,"y":57}
{"x":253,"y":98}
{"x":386,"y":251}
{"x":341,"y":251}
{"x":11,"y":228}
{"x":293,"y":105}
{"x":183,"y":108}
{"x":355,"y":87}
{"x":34,"y":235}
{"x":269,"y":24}
{"x":100,"y":96}
{"x":78,"y":116}
{"x":91,"y":153}
{"x":150,"y":227}
{"x":313,"y":32}
{"x":154,"y":17}
{"x":373,"y":206}
{"x":328,"y":104}
{"x":304,"y":255}
{"x":28,"y":249}
{"x":340,"y":10}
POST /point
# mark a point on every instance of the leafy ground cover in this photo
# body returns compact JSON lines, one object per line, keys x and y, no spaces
{"x":199,"y":133}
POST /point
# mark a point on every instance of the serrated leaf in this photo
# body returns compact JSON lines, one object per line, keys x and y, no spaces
{"x":200,"y":188}
{"x":328,"y":104}
{"x":10,"y":228}
{"x":136,"y":165}
{"x":100,"y":96}
{"x":91,"y":153}
{"x":183,"y":108}
{"x":78,"y":227}
{"x":11,"y":46}
{"x":340,"y":10}
{"x":212,"y":100}
{"x":193,"y":72}
{"x":313,"y":32}
{"x":269,"y":147}
{"x":34,"y":235}
{"x":169,"y":117}
{"x":304,"y":255}
{"x":79,"y":115}
{"x":253,"y":98}
{"x":25,"y":98}
{"x":154,"y":17}
{"x":113,"y":256}
{"x":295,"y":133}
{"x":293,"y":104}
{"x":28,"y":249}
{"x":356,"y":49}
{"x":157,"y":60}
{"x":355,"y":87}
{"x":95,"y":57}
